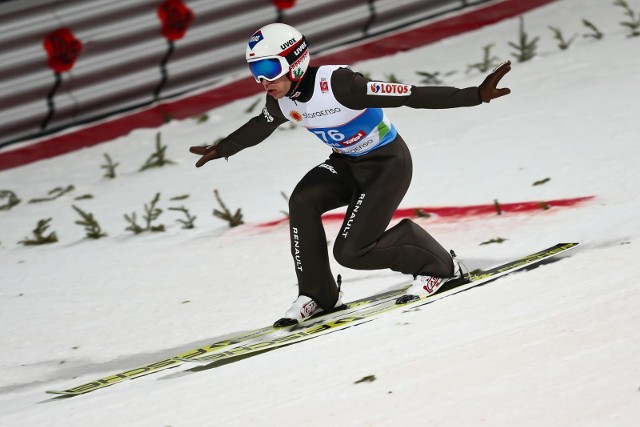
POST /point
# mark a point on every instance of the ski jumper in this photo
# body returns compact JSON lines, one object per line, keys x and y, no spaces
{"x":369,"y":171}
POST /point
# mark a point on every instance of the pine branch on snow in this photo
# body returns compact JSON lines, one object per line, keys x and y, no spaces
{"x":633,"y":24}
{"x":488,"y":62}
{"x":286,"y":213}
{"x":433,"y":78}
{"x":91,"y":226}
{"x":84,"y":197}
{"x":496,"y":204}
{"x":391,"y":78}
{"x":133,"y":223}
{"x":202,"y":118}
{"x":187,"y":223}
{"x":366,"y":379}
{"x":595,"y":32}
{"x":255,"y":103}
{"x":55,"y":193}
{"x":496,"y":240}
{"x":157,"y":159}
{"x":152,"y":213}
{"x":562,"y":43}
{"x":225,"y":214}
{"x":39,"y":235}
{"x":525,"y":48}
{"x":11,"y":197}
{"x":110,"y":167}
{"x":542,"y":181}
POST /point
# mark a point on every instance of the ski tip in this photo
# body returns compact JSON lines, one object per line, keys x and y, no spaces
{"x":59,"y":393}
{"x":405,"y":299}
{"x":284,"y":322}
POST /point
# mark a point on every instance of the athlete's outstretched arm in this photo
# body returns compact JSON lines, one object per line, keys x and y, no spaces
{"x":357,"y":92}
{"x":253,"y":132}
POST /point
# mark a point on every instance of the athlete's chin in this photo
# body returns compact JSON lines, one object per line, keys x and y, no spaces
{"x":275,"y":94}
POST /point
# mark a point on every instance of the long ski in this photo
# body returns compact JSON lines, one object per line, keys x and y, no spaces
{"x":320,"y":327}
{"x":357,"y":312}
{"x":247,"y":336}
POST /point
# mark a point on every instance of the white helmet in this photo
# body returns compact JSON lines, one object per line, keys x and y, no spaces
{"x":275,"y":50}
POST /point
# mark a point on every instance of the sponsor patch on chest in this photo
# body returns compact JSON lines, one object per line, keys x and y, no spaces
{"x":388,"y":89}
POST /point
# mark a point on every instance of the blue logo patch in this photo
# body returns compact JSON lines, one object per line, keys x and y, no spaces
{"x":255,"y":39}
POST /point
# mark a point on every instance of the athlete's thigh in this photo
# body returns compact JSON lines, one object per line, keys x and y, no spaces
{"x":325,"y":187}
{"x":382,"y":182}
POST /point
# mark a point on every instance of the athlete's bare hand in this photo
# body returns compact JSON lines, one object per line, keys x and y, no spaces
{"x":489,"y":87}
{"x":209,"y":152}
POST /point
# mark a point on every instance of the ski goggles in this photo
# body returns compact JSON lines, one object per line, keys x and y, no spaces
{"x":270,"y":68}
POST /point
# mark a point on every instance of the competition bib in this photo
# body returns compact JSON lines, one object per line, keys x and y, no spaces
{"x":346,"y":131}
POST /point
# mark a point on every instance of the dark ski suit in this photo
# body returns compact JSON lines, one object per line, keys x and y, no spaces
{"x":369,"y":171}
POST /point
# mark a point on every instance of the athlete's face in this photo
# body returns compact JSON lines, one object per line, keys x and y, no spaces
{"x":277,"y":88}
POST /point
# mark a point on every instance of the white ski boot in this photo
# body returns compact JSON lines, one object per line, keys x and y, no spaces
{"x":302,"y":309}
{"x":427,"y":285}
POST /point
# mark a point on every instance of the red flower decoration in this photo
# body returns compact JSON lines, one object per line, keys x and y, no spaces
{"x":63,"y":49}
{"x":284,"y":4}
{"x":176,"y":18}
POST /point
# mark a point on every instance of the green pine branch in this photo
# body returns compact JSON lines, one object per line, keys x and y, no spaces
{"x":253,"y":105}
{"x":595,"y":32}
{"x":109,"y":167}
{"x":91,"y":226}
{"x":433,"y":78}
{"x":39,"y":237}
{"x":158,"y":158}
{"x":488,"y":62}
{"x":633,"y":22}
{"x":525,"y":48}
{"x":234,"y":219}
{"x":562,"y":43}
{"x":152,"y":213}
{"x":496,"y":240}
{"x":187,"y":223}
{"x":12,"y":200}
{"x":285,"y":197}
{"x":54,"y":194}
{"x":391,"y":78}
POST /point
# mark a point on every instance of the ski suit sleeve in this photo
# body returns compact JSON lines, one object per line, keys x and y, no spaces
{"x":352,"y":90}
{"x":254,"y":131}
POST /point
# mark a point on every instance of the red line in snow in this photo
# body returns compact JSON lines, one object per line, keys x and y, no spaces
{"x":458,"y":212}
{"x":197,"y":104}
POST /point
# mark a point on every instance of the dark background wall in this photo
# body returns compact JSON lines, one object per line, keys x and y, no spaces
{"x":110,"y":56}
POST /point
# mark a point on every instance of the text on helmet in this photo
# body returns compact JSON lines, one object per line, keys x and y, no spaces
{"x":288,"y":43}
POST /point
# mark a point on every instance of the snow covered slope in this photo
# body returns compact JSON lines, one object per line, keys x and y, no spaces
{"x":555,"y":346}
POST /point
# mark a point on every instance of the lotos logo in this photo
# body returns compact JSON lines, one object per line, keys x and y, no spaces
{"x":255,"y":39}
{"x":324,"y":85}
{"x":390,"y":89}
{"x":355,"y":138}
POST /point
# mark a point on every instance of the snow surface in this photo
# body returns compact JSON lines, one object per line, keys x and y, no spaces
{"x":556,"y":346}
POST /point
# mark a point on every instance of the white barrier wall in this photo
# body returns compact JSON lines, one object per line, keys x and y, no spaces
{"x":114,"y":56}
